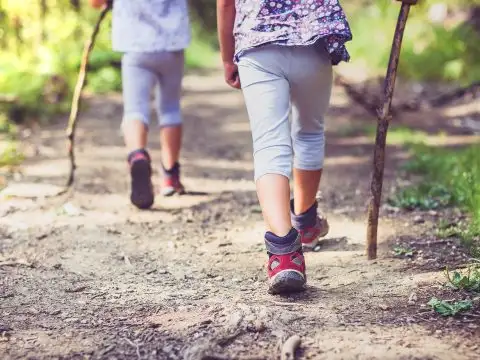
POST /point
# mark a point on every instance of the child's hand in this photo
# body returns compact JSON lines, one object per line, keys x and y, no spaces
{"x":97,"y":4}
{"x":231,"y":75}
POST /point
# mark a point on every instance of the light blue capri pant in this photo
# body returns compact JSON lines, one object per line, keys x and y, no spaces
{"x":140,"y":73}
{"x":279,"y":80}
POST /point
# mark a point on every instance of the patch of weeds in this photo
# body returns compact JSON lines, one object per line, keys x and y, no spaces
{"x":447,"y":229}
{"x":10,"y":155}
{"x":402,"y":251}
{"x":468,"y":280}
{"x":468,"y":233}
{"x":357,"y":130}
{"x":397,"y":135}
{"x":449,"y":178}
{"x":450,"y":308}
{"x":403,"y":135}
{"x":6,"y":127}
{"x":424,"y":196}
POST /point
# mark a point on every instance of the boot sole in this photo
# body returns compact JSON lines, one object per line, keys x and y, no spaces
{"x":142,"y":195}
{"x":287,"y":281}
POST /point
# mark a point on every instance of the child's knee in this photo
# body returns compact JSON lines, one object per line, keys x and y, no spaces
{"x":135,"y":116}
{"x":309,"y":150}
{"x":170,"y":118}
{"x":276,"y":159}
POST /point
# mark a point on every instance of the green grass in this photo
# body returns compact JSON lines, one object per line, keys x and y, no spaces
{"x":450,"y":308}
{"x":429,"y":51}
{"x":402,"y":251}
{"x":10,"y":154}
{"x":449,"y":178}
{"x":468,"y":280}
{"x":199,"y":56}
{"x":396,"y":135}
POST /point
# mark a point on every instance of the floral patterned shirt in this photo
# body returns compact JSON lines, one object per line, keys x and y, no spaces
{"x":292,"y":23}
{"x":150,"y":25}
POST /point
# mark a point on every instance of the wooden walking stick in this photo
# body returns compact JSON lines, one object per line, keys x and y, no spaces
{"x":382,"y":126}
{"x":72,"y":120}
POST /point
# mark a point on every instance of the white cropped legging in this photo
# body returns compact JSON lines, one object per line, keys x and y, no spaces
{"x":143,"y":71}
{"x":276,"y":79}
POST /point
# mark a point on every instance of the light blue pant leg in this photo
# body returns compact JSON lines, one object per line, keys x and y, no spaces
{"x":137,"y":84}
{"x":169,"y":90}
{"x":272,"y":77}
{"x":267,"y":98}
{"x":311,"y":86}
{"x":140,"y":73}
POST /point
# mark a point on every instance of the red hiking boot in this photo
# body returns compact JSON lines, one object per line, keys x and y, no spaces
{"x":286,"y":264}
{"x":171,"y":183}
{"x":310,"y":226}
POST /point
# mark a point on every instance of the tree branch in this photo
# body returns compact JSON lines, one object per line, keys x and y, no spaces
{"x":73,"y":119}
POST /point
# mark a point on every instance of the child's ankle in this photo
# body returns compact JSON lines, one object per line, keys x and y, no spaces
{"x":305,"y":219}
{"x":282,"y":244}
{"x":173,"y":170}
{"x":139,"y":154}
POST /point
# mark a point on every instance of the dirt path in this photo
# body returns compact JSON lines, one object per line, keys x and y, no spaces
{"x":97,"y":279}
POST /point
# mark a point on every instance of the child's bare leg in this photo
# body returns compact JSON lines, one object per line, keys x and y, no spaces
{"x":274,"y":195}
{"x":168,"y":94}
{"x":135,"y":134}
{"x":171,"y":142}
{"x":305,"y":188}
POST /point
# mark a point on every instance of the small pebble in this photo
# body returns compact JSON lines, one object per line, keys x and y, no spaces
{"x":412,"y":299}
{"x":418,"y":219}
{"x":259,"y":326}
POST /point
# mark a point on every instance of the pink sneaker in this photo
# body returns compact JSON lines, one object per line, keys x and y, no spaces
{"x":171,"y":183}
{"x":311,"y":236}
{"x":286,"y":264}
{"x":310,"y":226}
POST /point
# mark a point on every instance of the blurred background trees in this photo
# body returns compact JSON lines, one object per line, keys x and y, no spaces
{"x":41,"y":43}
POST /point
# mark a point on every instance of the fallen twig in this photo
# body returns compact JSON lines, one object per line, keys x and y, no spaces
{"x":136,"y":346}
{"x":72,"y":121}
{"x":76,"y":289}
{"x":228,"y":339}
{"x":369,"y":101}
{"x":16,"y":263}
{"x":289,"y":347}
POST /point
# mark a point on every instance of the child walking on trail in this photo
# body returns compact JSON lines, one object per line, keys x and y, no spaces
{"x":152,"y":35}
{"x":280,"y":53}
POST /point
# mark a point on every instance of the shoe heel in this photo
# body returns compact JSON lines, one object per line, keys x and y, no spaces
{"x":142,"y":190}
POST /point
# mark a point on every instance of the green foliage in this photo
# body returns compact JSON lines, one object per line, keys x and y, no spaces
{"x":450,"y":308}
{"x":401,"y":251}
{"x":430,"y":51}
{"x":202,"y":51}
{"x":469,"y":280}
{"x":37,"y":46}
{"x":456,"y":172}
{"x":10,"y":155}
{"x":6,"y":127}
{"x":468,"y":232}
{"x":425,"y":196}
{"x":397,"y":135}
{"x":106,"y":79}
{"x":449,"y":178}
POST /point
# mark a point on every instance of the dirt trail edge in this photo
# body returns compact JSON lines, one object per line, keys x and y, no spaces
{"x":88,"y":276}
